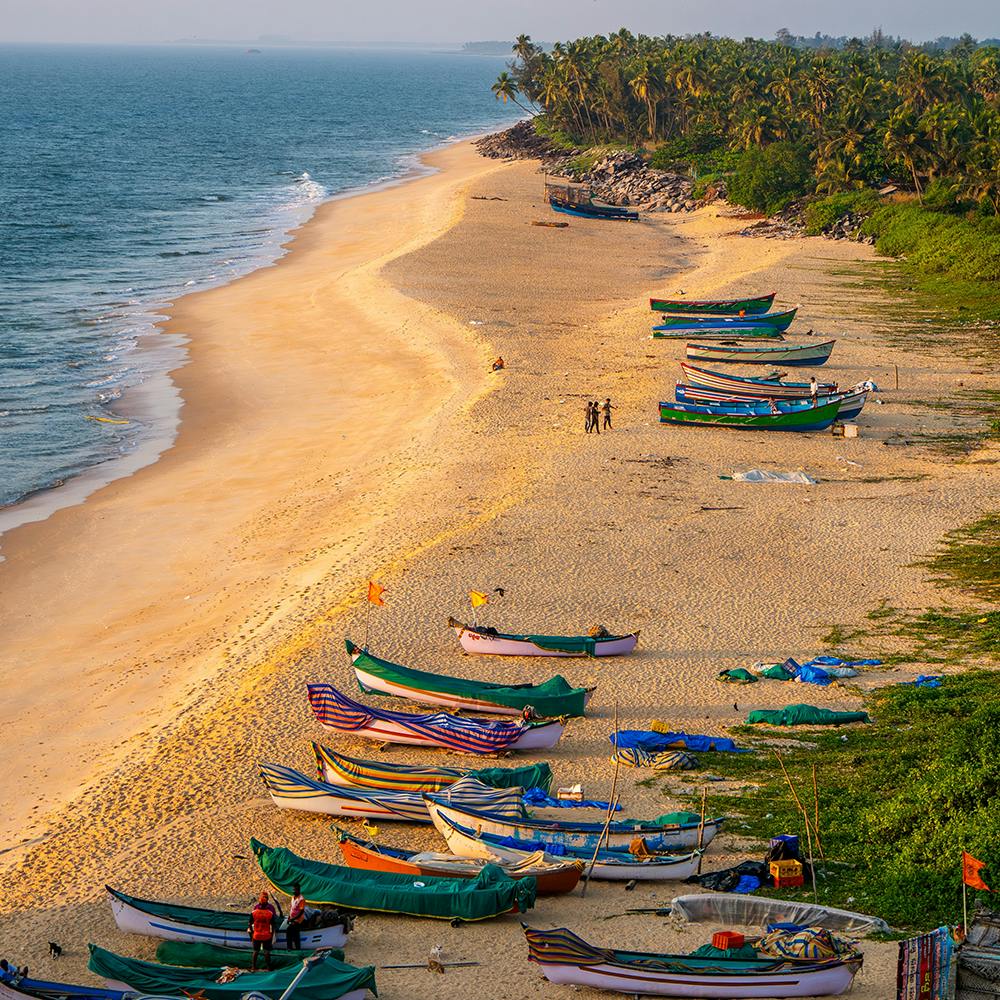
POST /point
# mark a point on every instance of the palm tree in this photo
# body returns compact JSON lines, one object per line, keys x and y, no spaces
{"x":505,"y":89}
{"x":647,"y":85}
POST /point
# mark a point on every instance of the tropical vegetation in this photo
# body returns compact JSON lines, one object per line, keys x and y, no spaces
{"x":833,"y":120}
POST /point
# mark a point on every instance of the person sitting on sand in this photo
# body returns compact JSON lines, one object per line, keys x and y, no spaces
{"x":261,"y":930}
{"x":498,"y":364}
{"x":8,"y":972}
{"x":296,"y":918}
{"x":606,"y":409}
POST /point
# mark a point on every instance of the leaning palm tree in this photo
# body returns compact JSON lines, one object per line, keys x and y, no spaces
{"x":505,"y":89}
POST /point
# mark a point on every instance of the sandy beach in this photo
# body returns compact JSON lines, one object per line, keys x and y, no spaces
{"x":340,"y":424}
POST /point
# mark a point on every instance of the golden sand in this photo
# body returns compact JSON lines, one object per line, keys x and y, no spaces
{"x":340,"y":424}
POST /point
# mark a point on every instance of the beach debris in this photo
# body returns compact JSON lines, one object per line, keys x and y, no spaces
{"x":551,"y":225}
{"x":767,"y":476}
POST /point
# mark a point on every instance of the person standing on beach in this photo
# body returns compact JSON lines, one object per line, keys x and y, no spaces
{"x":595,"y":411}
{"x":589,"y":419}
{"x":261,"y":929}
{"x":813,"y":389}
{"x":607,"y":408}
{"x":296,"y":918}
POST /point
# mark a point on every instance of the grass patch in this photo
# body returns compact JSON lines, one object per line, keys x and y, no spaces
{"x":820,"y":215}
{"x":969,"y":558}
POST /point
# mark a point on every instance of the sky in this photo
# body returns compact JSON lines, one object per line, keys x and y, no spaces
{"x":475,"y":20}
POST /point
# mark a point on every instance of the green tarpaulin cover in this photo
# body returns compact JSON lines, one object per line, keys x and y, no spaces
{"x":326,"y":980}
{"x":744,"y":952}
{"x":192,"y":954}
{"x":552,"y":698}
{"x":805,"y":715}
{"x":737,"y":675}
{"x":776,"y":672}
{"x":219,"y":919}
{"x":489,"y":894}
{"x":529,"y":776}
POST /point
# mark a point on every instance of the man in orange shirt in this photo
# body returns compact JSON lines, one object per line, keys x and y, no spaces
{"x":261,"y":928}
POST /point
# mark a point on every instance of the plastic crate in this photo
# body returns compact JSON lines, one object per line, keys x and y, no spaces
{"x":785,"y":869}
{"x":791,"y":882}
{"x":724,"y":940}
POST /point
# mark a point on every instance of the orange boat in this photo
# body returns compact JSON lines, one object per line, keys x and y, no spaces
{"x":551,"y":879}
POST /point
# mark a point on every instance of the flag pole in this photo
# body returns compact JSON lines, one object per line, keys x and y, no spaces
{"x":965,"y":904}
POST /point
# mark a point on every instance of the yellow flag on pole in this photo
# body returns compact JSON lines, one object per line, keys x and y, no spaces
{"x":478,"y":599}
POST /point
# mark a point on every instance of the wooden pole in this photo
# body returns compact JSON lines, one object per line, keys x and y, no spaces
{"x":965,"y":904}
{"x":805,"y":820}
{"x":611,"y":810}
{"x":896,"y":368}
{"x":701,"y":825}
{"x":819,"y":844}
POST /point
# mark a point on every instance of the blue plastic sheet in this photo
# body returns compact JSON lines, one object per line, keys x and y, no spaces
{"x":643,"y":739}
{"x":538,"y":797}
{"x":925,"y":681}
{"x":836,"y":661}
{"x":747,"y":884}
{"x":809,"y":674}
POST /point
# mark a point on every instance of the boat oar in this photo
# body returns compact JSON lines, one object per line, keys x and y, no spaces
{"x":612,"y":804}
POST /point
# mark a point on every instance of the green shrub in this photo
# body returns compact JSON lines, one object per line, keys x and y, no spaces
{"x":767,"y":178}
{"x":556,"y":137}
{"x":700,"y":187}
{"x":820,"y":215}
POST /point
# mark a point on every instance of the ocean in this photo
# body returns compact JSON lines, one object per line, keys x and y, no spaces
{"x":131,"y":175}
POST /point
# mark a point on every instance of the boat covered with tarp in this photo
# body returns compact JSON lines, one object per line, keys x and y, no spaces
{"x":565,"y":958}
{"x":810,"y":418}
{"x":196,"y":955}
{"x":484,"y":639}
{"x":671,"y":831}
{"x":754,"y":305}
{"x":731,"y":908}
{"x":325,"y":979}
{"x":339,"y":769}
{"x":550,"y":699}
{"x":290,"y":789}
{"x":25,"y":988}
{"x":804,"y":715}
{"x":134,"y":915}
{"x":335,"y":710}
{"x":489,"y":894}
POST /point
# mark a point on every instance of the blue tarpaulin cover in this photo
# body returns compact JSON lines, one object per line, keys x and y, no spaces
{"x":644,"y":739}
{"x":537,"y":797}
{"x":925,"y":681}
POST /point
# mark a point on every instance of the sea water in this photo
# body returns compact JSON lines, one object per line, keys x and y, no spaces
{"x":131,"y":175}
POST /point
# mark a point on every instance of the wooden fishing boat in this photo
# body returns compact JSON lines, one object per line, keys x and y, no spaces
{"x":25,"y":988}
{"x":552,"y":876}
{"x":335,"y":710}
{"x":325,"y":978}
{"x":762,"y":387}
{"x":814,"y":418}
{"x":567,"y":959}
{"x":726,"y":335}
{"x":753,"y":306}
{"x":480,"y":639}
{"x":612,"y":865}
{"x":552,"y":699}
{"x":339,"y":769}
{"x":588,"y":210}
{"x":666,"y":833}
{"x":778,"y":354}
{"x":489,"y":894}
{"x":290,"y":789}
{"x":223,"y":927}
{"x":851,"y":402}
{"x":778,"y":321}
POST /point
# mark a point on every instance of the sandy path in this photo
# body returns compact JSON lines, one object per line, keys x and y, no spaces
{"x":577,"y":530}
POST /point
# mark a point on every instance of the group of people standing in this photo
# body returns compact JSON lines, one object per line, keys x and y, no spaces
{"x":595,"y":412}
{"x":263,"y":926}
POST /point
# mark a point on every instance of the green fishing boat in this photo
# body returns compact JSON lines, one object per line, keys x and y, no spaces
{"x":550,"y":699}
{"x":777,"y":321}
{"x":197,"y":955}
{"x":753,"y":306}
{"x":813,"y":418}
{"x":489,"y":894}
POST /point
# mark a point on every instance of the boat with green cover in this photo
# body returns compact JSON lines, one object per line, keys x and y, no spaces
{"x":776,"y":321}
{"x":813,"y":418}
{"x":489,"y":894}
{"x":326,"y":979}
{"x":196,"y":955}
{"x":753,"y":306}
{"x":552,"y":698}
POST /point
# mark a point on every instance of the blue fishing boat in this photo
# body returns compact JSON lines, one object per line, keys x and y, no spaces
{"x":851,"y":403}
{"x":588,"y":210}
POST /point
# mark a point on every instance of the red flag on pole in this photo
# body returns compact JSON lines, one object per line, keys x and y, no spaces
{"x":971,"y":867}
{"x":375,"y":592}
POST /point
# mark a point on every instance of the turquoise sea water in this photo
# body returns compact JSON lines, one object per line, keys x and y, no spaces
{"x":131,"y":175}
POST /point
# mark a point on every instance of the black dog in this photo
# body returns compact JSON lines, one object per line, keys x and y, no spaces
{"x":54,"y":950}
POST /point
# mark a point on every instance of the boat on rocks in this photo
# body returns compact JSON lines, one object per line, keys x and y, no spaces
{"x":482,"y":639}
{"x":567,"y":959}
{"x":491,"y":893}
{"x":763,"y":354}
{"x":335,"y":710}
{"x":673,"y":831}
{"x":339,"y":769}
{"x":811,"y":418}
{"x":290,"y":789}
{"x":766,"y":387}
{"x":552,"y":876}
{"x":325,"y":978}
{"x":324,"y":929}
{"x":753,"y":306}
{"x":553,"y":698}
{"x":610,"y":864}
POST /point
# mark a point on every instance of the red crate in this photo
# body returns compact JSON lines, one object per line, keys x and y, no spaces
{"x":791,"y":882}
{"x":727,"y":939}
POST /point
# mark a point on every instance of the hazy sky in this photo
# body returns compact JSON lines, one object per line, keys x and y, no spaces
{"x":469,"y":20}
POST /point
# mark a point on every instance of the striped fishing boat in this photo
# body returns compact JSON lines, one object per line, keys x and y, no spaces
{"x":567,"y":959}
{"x":813,"y":418}
{"x":851,"y":402}
{"x":762,"y":387}
{"x":339,"y":769}
{"x":778,"y":354}
{"x":222,"y":927}
{"x":550,"y":699}
{"x":23,"y":988}
{"x":481,"y":639}
{"x":753,"y":306}
{"x":778,"y":321}
{"x":663,"y":834}
{"x":479,"y":736}
{"x":612,"y":865}
{"x":290,"y":789}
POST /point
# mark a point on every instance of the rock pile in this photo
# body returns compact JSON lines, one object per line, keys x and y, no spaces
{"x":521,"y":142}
{"x":848,"y":228}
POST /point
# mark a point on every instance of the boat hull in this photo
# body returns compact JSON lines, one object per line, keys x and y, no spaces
{"x":542,"y":737}
{"x":588,"y":212}
{"x":814,"y":418}
{"x":776,"y":322}
{"x":133,"y":920}
{"x":756,"y":386}
{"x":754,"y":306}
{"x":474,"y":641}
{"x":799,"y":355}
{"x":851,"y":403}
